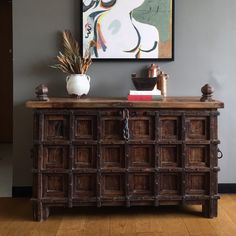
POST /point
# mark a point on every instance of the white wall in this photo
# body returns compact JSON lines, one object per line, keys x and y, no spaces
{"x":205,"y":49}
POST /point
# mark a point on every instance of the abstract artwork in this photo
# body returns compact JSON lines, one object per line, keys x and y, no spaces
{"x":129,"y":29}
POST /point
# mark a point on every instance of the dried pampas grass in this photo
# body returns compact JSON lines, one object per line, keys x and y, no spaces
{"x":71,"y":61}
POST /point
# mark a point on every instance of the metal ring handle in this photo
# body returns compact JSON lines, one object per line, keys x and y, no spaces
{"x":219,"y":153}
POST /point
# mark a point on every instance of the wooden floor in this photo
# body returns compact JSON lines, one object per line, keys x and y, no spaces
{"x":15,"y":220}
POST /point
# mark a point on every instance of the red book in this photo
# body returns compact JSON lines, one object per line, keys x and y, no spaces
{"x":144,"y":97}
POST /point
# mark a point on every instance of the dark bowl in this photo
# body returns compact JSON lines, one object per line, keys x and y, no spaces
{"x":144,"y":83}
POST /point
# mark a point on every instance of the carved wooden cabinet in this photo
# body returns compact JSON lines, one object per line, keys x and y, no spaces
{"x":112,"y":152}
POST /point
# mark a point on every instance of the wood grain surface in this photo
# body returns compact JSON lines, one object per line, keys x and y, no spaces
{"x":16,"y":219}
{"x":169,"y":102}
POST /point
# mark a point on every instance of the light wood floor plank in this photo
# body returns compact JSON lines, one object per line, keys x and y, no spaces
{"x":96,"y":225}
{"x":169,"y":225}
{"x":198,"y":225}
{"x":16,"y":220}
{"x":229,"y":206}
{"x":142,"y":224}
{"x":122,"y":225}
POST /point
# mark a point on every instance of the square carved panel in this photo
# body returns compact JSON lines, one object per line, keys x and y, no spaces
{"x":113,"y":156}
{"x":56,"y":127}
{"x":55,"y":185}
{"x":84,"y":185}
{"x":85,"y":156}
{"x":170,"y":128}
{"x":197,"y":183}
{"x":141,"y":155}
{"x":55,"y":157}
{"x":170,"y":183}
{"x":142,"y":128}
{"x":142,"y":183}
{"x":84,"y":127}
{"x":113,"y":184}
{"x":198,"y":128}
{"x":198,"y":155}
{"x":170,"y":155}
{"x":112,"y":128}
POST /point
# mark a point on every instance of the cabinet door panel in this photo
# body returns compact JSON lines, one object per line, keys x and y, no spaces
{"x":55,"y":185}
{"x":170,"y":128}
{"x":84,"y":185}
{"x":112,"y":128}
{"x":198,"y":128}
{"x":141,"y":156}
{"x":170,"y":184}
{"x":55,"y":157}
{"x":113,"y":185}
{"x":142,"y":128}
{"x":170,"y":155}
{"x":113,"y":156}
{"x":142,"y":184}
{"x":85,"y":156}
{"x":197,"y":183}
{"x":85,"y":127}
{"x":56,"y":127}
{"x":198,"y":155}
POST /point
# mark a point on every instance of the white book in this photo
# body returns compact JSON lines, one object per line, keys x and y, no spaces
{"x":145,"y":92}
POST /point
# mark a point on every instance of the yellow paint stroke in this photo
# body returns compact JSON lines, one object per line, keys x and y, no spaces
{"x":99,"y":32}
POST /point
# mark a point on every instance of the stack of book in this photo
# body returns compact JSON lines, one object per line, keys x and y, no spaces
{"x":144,"y":95}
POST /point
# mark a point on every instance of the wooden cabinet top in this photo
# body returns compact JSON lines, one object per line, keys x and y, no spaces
{"x":170,"y":102}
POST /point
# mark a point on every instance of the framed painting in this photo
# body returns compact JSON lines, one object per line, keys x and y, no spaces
{"x":129,"y":29}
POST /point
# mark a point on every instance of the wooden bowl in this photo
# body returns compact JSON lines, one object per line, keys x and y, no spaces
{"x":144,"y":83}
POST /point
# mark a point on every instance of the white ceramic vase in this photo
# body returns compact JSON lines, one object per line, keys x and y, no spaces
{"x":78,"y":84}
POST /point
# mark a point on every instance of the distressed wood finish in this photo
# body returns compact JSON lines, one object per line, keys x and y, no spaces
{"x":125,"y":154}
{"x":169,"y":102}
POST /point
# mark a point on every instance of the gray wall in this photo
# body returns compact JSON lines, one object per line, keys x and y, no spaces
{"x":204,"y":52}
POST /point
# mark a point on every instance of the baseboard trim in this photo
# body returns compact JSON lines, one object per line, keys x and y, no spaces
{"x":227,"y":188}
{"x":26,"y":191}
{"x":22,"y":191}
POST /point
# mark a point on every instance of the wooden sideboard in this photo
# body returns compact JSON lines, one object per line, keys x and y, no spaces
{"x":113,"y":152}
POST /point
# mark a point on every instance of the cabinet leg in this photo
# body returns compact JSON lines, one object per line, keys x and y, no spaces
{"x":209,"y":208}
{"x":37,"y":211}
{"x":40,"y":212}
{"x":46,"y":212}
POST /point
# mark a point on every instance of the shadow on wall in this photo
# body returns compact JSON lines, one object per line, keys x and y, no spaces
{"x":78,"y":17}
{"x":22,"y":144}
{"x":44,"y":74}
{"x":5,"y":170}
